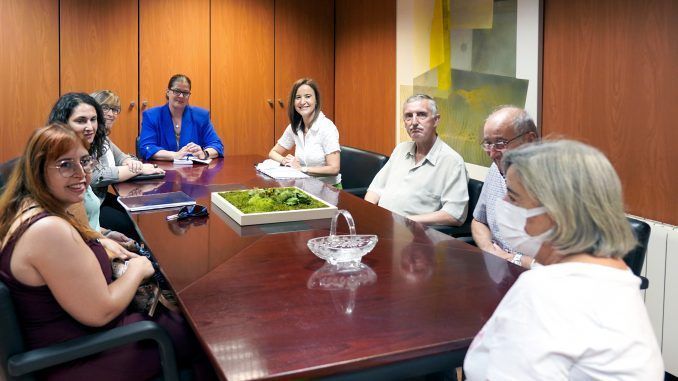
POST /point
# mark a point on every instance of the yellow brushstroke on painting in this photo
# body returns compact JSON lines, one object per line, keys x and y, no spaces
{"x":440,"y":44}
{"x":419,"y":57}
{"x":471,"y":14}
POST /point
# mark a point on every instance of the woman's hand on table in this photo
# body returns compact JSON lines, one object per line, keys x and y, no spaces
{"x":291,"y":161}
{"x":150,"y":169}
{"x":135,"y":166}
{"x":183,"y":152}
{"x":190,"y":149}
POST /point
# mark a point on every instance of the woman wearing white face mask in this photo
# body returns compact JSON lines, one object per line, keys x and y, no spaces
{"x":581,"y":317}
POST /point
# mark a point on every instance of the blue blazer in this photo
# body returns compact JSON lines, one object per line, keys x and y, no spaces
{"x":157,"y":131}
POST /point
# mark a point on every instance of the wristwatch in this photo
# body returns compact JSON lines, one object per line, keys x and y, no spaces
{"x":517,"y":259}
{"x":207,"y":154}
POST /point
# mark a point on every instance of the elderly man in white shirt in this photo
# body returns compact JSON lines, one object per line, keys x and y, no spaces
{"x":424,"y":179}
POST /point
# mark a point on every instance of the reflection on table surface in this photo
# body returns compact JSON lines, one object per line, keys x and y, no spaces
{"x":264,"y":306}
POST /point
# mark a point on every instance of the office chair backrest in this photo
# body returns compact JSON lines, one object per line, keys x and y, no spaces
{"x":358,"y":168}
{"x":464,"y":230}
{"x":11,"y":342}
{"x":636,"y":257}
{"x":6,"y":170}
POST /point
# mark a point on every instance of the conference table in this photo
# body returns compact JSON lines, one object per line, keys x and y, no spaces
{"x":263,"y":306}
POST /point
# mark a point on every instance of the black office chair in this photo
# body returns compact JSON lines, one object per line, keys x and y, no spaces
{"x":6,"y":170}
{"x":358,"y":168}
{"x":16,"y":363}
{"x":636,"y":257}
{"x":463,"y":232}
{"x":137,"y":148}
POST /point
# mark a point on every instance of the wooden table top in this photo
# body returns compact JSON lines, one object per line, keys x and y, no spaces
{"x":265,"y":307}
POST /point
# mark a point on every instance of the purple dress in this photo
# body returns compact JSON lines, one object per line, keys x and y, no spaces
{"x":44,"y":322}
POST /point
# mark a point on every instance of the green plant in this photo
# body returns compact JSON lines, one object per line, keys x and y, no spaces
{"x":262,"y":200}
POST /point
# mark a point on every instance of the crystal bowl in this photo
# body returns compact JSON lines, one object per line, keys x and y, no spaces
{"x":342,"y":248}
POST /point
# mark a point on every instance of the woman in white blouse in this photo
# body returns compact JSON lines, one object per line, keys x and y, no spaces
{"x":581,"y":315}
{"x":313,"y":136}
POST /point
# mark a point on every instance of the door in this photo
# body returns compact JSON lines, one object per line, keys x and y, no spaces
{"x":242,"y":75}
{"x":29,"y":42}
{"x":103,"y":55}
{"x":174,"y":38}
{"x":304,"y":47}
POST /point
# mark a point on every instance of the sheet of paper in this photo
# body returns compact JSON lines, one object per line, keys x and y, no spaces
{"x":281,"y":172}
{"x":184,"y":161}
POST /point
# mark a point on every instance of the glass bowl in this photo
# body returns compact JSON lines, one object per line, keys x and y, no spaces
{"x":337,"y":249}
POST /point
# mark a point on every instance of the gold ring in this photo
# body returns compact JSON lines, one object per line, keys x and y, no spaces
{"x":155,"y":165}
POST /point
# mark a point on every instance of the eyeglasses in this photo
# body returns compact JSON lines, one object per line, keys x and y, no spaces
{"x":67,"y":167}
{"x":113,"y":109}
{"x":188,"y":211}
{"x":499,"y":145}
{"x":177,"y":93}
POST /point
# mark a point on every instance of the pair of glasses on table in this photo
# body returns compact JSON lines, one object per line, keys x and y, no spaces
{"x":188,"y":211}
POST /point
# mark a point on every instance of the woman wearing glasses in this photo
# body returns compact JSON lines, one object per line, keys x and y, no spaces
{"x":114,"y":165}
{"x":581,"y":317}
{"x":313,"y":136}
{"x":177,"y":129}
{"x":59,"y":274}
{"x":82,"y":113}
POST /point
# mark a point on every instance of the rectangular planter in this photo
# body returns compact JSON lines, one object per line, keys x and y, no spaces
{"x":273,"y":217}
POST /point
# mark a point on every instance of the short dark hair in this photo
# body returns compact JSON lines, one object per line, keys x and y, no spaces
{"x":63,"y":109}
{"x":296,"y":121}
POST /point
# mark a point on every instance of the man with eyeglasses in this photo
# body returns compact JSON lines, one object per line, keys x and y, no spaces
{"x":505,"y":129}
{"x":424,"y":179}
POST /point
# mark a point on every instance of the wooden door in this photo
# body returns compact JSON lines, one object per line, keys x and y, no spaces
{"x":174,"y":37}
{"x":242,"y":75}
{"x":304,"y":47}
{"x":614,"y":86}
{"x":29,"y":42}
{"x":365,"y":74}
{"x":99,"y":50}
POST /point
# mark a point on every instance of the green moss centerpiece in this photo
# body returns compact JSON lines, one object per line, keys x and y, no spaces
{"x":270,"y":205}
{"x":271,"y":200}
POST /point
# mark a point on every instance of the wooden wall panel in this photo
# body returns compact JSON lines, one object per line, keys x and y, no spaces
{"x":103,"y":55}
{"x":174,"y":38}
{"x":304,"y":47}
{"x":610,"y":80}
{"x":242,"y":75}
{"x":365,"y":78}
{"x":29,"y":42}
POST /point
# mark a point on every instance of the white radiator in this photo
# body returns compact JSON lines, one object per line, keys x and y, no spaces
{"x":661,"y":298}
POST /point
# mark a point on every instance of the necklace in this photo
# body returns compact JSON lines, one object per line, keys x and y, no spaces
{"x":177,"y":130}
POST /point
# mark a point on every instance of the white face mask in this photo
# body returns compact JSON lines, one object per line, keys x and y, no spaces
{"x":511,"y":220}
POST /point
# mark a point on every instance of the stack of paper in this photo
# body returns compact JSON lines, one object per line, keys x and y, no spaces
{"x":189,"y":160}
{"x":273,"y":169}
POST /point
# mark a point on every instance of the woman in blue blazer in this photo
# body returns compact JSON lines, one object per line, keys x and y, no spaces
{"x":176,"y":129}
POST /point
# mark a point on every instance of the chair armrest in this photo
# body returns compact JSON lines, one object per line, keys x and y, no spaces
{"x":60,"y":353}
{"x":359,"y":192}
{"x":644,"y":283}
{"x":455,"y":231}
{"x":442,"y":228}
